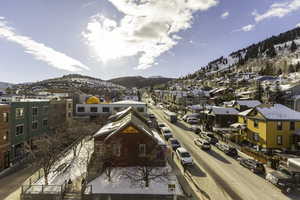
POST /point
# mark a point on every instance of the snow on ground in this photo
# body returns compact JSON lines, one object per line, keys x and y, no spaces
{"x":121,"y":185}
{"x":69,"y":167}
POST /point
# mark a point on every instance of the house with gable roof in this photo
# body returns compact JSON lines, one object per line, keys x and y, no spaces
{"x":272,"y":126}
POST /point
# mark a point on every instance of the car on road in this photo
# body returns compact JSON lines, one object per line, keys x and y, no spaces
{"x":152,"y":116}
{"x":202,"y":143}
{"x":161,"y":125}
{"x":253,"y":165}
{"x":228,"y":150}
{"x":194,"y":115}
{"x":174,"y":143}
{"x":166,"y":132}
{"x":192,"y":120}
{"x":196,"y":129}
{"x":184,"y":156}
{"x":284,"y":179}
{"x":210,"y":137}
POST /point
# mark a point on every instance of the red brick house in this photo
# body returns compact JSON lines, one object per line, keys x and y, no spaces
{"x":4,"y":136}
{"x":128,"y":141}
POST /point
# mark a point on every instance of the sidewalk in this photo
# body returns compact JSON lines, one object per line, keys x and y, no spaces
{"x":10,"y":186}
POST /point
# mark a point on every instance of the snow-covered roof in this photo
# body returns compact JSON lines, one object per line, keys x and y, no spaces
{"x":223,"y":111}
{"x":248,"y":103}
{"x":34,"y":100}
{"x":286,"y":87}
{"x":128,"y":102}
{"x":278,"y":112}
{"x":245,"y":113}
{"x":120,"y":184}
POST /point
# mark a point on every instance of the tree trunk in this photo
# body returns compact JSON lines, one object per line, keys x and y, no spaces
{"x":46,"y":177}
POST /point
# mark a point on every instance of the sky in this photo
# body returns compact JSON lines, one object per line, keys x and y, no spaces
{"x":112,"y":38}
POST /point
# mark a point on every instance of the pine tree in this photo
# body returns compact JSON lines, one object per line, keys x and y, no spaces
{"x":293,"y":46}
{"x":271,"y":52}
{"x":258,"y":91}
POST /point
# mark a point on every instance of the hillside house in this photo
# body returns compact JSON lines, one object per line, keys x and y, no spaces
{"x":220,"y":118}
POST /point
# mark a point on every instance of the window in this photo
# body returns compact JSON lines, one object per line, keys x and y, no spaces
{"x":19,"y":112}
{"x":255,"y":137}
{"x":69,"y":105}
{"x":279,"y":125}
{"x":80,"y":109}
{"x":34,"y":111}
{"x":292,"y":125}
{"x":245,"y":120}
{"x":45,"y":123}
{"x":105,"y":109}
{"x":256,"y":123}
{"x":5,"y":137}
{"x":94,"y":109}
{"x":279,"y":139}
{"x":34,"y":125}
{"x":46,"y":109}
{"x":116,"y":149}
{"x":19,"y":129}
{"x":140,"y":109}
{"x":5,"y":117}
{"x":142,"y":149}
{"x":69,"y":114}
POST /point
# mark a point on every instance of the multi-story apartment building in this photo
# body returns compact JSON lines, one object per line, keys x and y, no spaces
{"x":4,"y":136}
{"x":29,"y":120}
{"x":60,"y":112}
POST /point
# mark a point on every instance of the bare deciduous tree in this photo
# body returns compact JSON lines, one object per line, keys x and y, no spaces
{"x":142,"y":175}
{"x":45,"y":153}
{"x":147,"y":171}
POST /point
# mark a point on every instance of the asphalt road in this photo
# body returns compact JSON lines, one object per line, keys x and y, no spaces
{"x":220,"y":176}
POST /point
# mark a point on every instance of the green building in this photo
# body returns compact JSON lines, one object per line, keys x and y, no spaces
{"x":29,"y":120}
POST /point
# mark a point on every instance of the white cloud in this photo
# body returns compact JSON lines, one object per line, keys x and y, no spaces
{"x":147,"y":30}
{"x":278,"y":10}
{"x":39,"y":50}
{"x":225,"y":15}
{"x":298,"y":25}
{"x":247,"y":28}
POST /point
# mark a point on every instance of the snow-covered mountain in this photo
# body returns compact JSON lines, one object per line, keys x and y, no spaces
{"x":71,"y":82}
{"x":4,"y":85}
{"x":276,"y":54}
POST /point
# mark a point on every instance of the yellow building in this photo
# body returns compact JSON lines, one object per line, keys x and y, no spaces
{"x":93,"y":100}
{"x":271,"y":126}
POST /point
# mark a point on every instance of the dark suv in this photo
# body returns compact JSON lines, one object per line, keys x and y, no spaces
{"x":253,"y":165}
{"x":230,"y":151}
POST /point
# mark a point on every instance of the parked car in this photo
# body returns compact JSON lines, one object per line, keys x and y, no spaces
{"x":192,"y":120}
{"x":194,"y":115}
{"x":253,"y":165}
{"x":152,"y":116}
{"x":161,"y":125}
{"x":228,"y":150}
{"x":166,"y":132}
{"x":174,"y":143}
{"x":184,"y":156}
{"x":284,"y":179}
{"x":196,"y":129}
{"x":202,"y":143}
{"x":210,"y":137}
